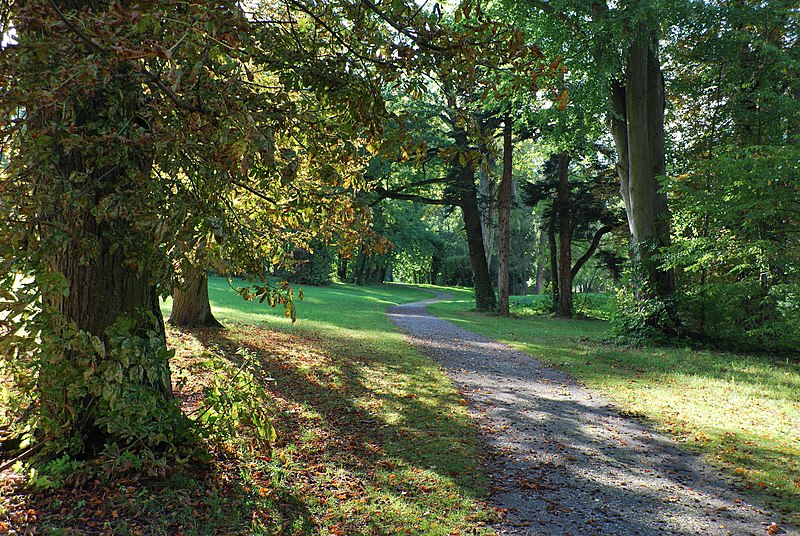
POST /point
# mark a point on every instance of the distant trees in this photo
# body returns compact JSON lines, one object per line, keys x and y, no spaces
{"x":580,"y":208}
{"x":734,"y":185}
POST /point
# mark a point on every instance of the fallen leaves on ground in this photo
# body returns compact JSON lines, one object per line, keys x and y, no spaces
{"x":337,"y":467}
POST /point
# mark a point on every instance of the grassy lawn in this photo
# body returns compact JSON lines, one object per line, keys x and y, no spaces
{"x":371,"y":436}
{"x":742,"y":412}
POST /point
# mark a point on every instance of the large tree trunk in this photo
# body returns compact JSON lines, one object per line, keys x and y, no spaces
{"x":504,"y":220}
{"x":190,"y":305}
{"x":638,"y":131}
{"x":87,"y":380}
{"x":100,"y":292}
{"x":485,"y":299}
{"x":564,"y":211}
{"x":463,"y":180}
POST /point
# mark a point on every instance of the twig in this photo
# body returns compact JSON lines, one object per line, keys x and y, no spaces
{"x":26,"y":454}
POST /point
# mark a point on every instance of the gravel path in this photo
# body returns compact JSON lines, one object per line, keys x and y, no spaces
{"x":563,"y":461}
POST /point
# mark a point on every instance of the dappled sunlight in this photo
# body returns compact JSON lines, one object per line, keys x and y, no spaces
{"x":742,"y":411}
{"x":354,"y":396}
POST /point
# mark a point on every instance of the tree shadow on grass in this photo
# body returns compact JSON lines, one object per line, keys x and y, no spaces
{"x":398,"y":441}
{"x":565,"y":462}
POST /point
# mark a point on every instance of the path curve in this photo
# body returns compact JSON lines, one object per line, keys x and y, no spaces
{"x":563,"y":461}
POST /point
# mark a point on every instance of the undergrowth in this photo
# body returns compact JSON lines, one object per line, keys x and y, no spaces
{"x":333,"y":425}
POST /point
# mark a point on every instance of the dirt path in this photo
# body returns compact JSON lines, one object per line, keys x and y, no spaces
{"x":563,"y":461}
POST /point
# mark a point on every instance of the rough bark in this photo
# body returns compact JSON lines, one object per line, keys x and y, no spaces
{"x":485,"y":299}
{"x":190,"y":305}
{"x":101,"y":289}
{"x":463,"y":179}
{"x":565,"y":238}
{"x":504,"y":221}
{"x":99,"y":293}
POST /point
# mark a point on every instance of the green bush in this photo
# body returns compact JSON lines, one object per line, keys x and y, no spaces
{"x":742,"y":315}
{"x":234,"y":406}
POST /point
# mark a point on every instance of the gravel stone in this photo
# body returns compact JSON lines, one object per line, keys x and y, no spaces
{"x":562,"y":460}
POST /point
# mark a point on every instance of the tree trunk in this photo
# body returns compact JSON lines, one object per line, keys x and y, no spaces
{"x":358,"y":273}
{"x":540,"y":261}
{"x":638,"y":131}
{"x":370,"y":269}
{"x":100,"y":292}
{"x":598,"y":235}
{"x":637,"y":126}
{"x":104,"y":285}
{"x":504,"y":217}
{"x":463,"y":180}
{"x":565,"y":238}
{"x":436,"y":267}
{"x":485,"y":299}
{"x":190,"y":305}
{"x":486,"y":195}
{"x":551,"y":241}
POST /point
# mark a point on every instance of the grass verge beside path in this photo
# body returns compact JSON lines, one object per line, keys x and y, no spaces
{"x":741,"y":411}
{"x":372,"y":439}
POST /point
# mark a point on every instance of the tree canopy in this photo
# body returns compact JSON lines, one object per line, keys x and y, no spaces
{"x":143,"y":144}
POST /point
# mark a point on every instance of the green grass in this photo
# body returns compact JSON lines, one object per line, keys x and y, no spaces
{"x":588,"y":305}
{"x":372,"y":437}
{"x":741,"y":411}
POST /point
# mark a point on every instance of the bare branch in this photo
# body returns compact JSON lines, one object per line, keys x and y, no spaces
{"x":592,"y":248}
{"x":386,"y":194}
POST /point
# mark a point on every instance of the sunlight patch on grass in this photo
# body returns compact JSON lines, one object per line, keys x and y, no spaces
{"x":741,"y":411}
{"x":371,"y":437}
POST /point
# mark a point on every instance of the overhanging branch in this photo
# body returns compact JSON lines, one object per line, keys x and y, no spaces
{"x":387,"y":194}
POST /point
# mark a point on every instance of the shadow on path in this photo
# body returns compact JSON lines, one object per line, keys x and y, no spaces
{"x":563,"y":461}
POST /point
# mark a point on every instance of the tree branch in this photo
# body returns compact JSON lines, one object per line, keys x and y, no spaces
{"x":387,"y":194}
{"x":253,"y":191}
{"x":150,"y":76}
{"x":547,"y":8}
{"x":592,"y":248}
{"x":425,"y":182}
{"x":394,"y":24}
